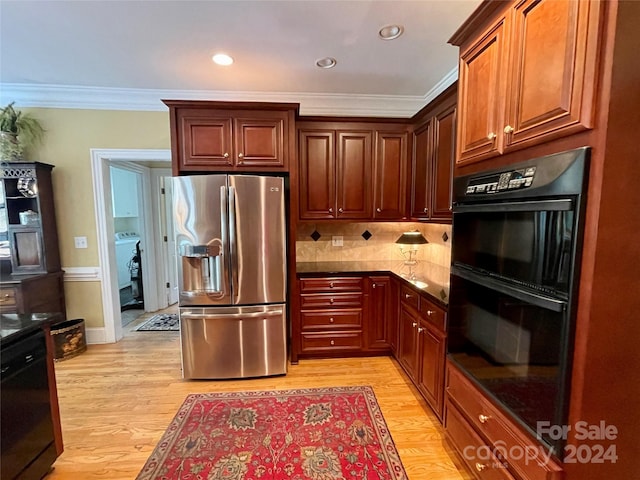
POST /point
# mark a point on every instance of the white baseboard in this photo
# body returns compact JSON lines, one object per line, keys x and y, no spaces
{"x":96,"y":335}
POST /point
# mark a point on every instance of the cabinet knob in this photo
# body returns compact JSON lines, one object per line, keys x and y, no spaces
{"x":508,"y":129}
{"x":340,"y":210}
{"x":240,"y":155}
{"x":330,"y":210}
{"x":407,"y":296}
{"x":330,"y":284}
{"x":226,"y":155}
{"x":430,"y":312}
{"x":331,"y":300}
{"x":425,"y":210}
{"x":483,"y":418}
{"x":480,"y":466}
{"x":331,"y":320}
{"x":414,"y":324}
{"x":491,"y":136}
{"x":332,"y":342}
{"x":373,"y":285}
{"x":420,"y":329}
{"x":378,"y":210}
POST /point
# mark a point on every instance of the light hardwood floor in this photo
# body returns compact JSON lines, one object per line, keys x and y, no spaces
{"x":116,"y":401}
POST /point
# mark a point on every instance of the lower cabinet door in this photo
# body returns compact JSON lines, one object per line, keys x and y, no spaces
{"x":408,"y":342}
{"x":431,"y":355}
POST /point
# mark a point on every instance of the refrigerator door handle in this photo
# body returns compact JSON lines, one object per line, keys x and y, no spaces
{"x":224,"y":238}
{"x":271,"y":313}
{"x":233,"y":251}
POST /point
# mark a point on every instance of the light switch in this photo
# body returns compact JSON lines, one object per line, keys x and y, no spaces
{"x":80,"y":242}
{"x":336,"y":240}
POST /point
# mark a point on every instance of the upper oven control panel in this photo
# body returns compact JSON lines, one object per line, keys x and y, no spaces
{"x":502,"y":181}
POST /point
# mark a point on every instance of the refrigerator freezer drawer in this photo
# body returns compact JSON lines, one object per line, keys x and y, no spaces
{"x":233,"y":342}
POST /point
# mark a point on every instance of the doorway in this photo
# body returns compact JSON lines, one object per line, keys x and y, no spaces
{"x":154,"y":225}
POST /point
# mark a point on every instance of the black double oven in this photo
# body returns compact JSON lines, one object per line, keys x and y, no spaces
{"x":517,"y":235}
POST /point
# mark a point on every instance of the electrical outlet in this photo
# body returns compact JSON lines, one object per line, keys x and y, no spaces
{"x":336,"y":240}
{"x":80,"y":242}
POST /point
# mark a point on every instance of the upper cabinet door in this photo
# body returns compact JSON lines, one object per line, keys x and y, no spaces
{"x":443,"y":160}
{"x":390,"y":175}
{"x":551,"y":78}
{"x":206,"y":141}
{"x":421,"y":171}
{"x":480,"y":101}
{"x":353,"y":174}
{"x":259,"y":141}
{"x":317,"y":174}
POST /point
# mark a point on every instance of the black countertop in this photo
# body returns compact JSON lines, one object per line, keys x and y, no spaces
{"x":425,"y":276}
{"x":14,"y":326}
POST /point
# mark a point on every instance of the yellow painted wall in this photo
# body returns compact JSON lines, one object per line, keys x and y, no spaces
{"x":70,"y":134}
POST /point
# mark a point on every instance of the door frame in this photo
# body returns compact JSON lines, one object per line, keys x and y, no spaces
{"x":101,"y":159}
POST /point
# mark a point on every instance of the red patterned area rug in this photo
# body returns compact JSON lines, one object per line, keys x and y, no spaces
{"x":319,"y":434}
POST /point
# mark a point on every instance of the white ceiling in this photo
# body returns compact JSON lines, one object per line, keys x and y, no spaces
{"x":121,"y":54}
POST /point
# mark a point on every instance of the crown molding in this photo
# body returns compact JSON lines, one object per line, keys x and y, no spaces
{"x":321,"y":104}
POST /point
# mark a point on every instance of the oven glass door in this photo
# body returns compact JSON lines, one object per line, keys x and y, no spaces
{"x":514,"y":348}
{"x":529,"y":242}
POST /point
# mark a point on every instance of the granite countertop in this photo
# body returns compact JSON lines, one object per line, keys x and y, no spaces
{"x":430,"y":278}
{"x":15,"y":325}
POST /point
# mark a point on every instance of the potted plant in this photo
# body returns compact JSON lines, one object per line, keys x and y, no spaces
{"x":17,"y":131}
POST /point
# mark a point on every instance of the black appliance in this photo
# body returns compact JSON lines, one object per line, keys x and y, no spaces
{"x":517,"y":235}
{"x":28,"y":445}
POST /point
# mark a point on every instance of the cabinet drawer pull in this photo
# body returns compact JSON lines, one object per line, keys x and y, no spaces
{"x":483,"y":418}
{"x":508,"y":129}
{"x":226,"y":155}
{"x":374,"y":285}
{"x":378,"y":210}
{"x":414,"y":324}
{"x":480,"y":467}
{"x":331,"y":320}
{"x":420,"y":329}
{"x":491,"y":136}
{"x":240,"y":155}
{"x":407,"y":296}
{"x":332,"y":342}
{"x":331,"y":300}
{"x":330,"y":210}
{"x":430,"y":312}
{"x":340,"y":210}
{"x":331,"y":285}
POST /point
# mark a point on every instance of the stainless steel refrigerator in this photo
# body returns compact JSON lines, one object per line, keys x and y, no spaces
{"x":232,"y":269}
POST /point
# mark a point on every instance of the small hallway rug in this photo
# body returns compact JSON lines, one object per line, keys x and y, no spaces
{"x":160,"y":322}
{"x":334,"y":433}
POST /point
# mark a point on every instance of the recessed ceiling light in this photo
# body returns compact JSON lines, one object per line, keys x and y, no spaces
{"x":390,"y":32}
{"x":326,"y":62}
{"x":222,"y":59}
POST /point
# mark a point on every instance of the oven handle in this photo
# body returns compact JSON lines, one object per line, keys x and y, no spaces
{"x":536,"y":299}
{"x":558,"y":205}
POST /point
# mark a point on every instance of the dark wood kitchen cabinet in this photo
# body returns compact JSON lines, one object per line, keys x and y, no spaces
{"x":526,"y":77}
{"x":352,"y":170}
{"x":422,"y":345}
{"x":331,"y":315}
{"x":382,"y":323}
{"x":389,"y":175}
{"x":227,"y":136}
{"x":433,"y":158}
{"x":335,"y":174}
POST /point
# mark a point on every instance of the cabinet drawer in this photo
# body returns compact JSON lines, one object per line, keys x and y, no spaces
{"x":326,"y":300}
{"x":331,"y":319}
{"x":8,"y":298}
{"x":410,"y":297}
{"x":432,"y":314}
{"x":326,"y":342}
{"x":472,"y":448}
{"x":333,"y":284}
{"x":499,"y":429}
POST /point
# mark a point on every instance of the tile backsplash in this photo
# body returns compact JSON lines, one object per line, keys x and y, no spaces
{"x":379,"y":246}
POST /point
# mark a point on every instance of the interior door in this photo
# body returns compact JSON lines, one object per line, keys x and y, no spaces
{"x":169,"y":247}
